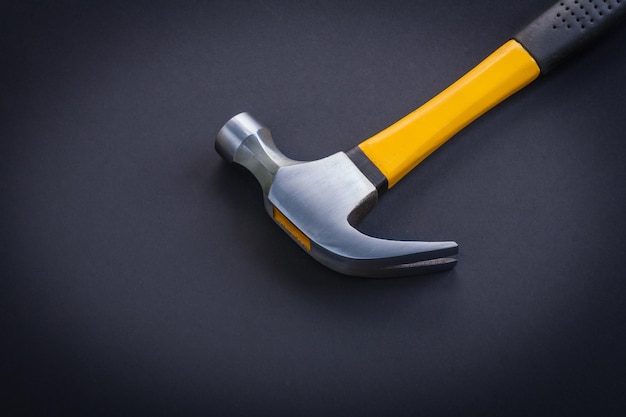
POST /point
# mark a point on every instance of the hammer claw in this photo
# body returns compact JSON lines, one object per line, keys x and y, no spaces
{"x":379,"y":258}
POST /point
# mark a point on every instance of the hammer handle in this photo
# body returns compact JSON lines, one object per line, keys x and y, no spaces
{"x":402,"y":146}
{"x":538,"y":48}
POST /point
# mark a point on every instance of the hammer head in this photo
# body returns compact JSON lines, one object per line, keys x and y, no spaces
{"x":318,"y":203}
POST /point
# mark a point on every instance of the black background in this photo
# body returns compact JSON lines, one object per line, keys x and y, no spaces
{"x":140,"y":273}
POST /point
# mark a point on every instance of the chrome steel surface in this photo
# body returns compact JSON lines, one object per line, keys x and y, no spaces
{"x":324,"y":199}
{"x":246,"y":142}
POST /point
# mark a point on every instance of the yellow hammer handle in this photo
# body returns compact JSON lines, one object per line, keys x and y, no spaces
{"x":402,"y":146}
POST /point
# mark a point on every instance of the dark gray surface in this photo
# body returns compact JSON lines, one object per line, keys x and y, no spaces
{"x":140,"y":274}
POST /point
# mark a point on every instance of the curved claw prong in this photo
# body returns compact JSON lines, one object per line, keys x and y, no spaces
{"x":374,"y":257}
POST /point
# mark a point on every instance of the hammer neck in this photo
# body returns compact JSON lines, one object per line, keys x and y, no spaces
{"x":367,"y":167}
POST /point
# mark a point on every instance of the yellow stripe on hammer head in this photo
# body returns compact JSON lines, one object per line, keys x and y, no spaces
{"x":292,"y":230}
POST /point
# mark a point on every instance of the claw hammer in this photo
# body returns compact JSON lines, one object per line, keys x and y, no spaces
{"x":318,"y":202}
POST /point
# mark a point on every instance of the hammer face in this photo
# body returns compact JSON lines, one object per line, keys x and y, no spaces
{"x":318,"y":202}
{"x":246,"y":142}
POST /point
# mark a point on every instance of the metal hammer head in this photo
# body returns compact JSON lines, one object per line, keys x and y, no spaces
{"x":318,"y":203}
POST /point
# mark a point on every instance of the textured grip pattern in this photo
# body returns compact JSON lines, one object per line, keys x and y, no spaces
{"x":567,"y":26}
{"x":584,"y":14}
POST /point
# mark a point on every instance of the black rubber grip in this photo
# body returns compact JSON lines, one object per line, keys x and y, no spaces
{"x":567,"y":26}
